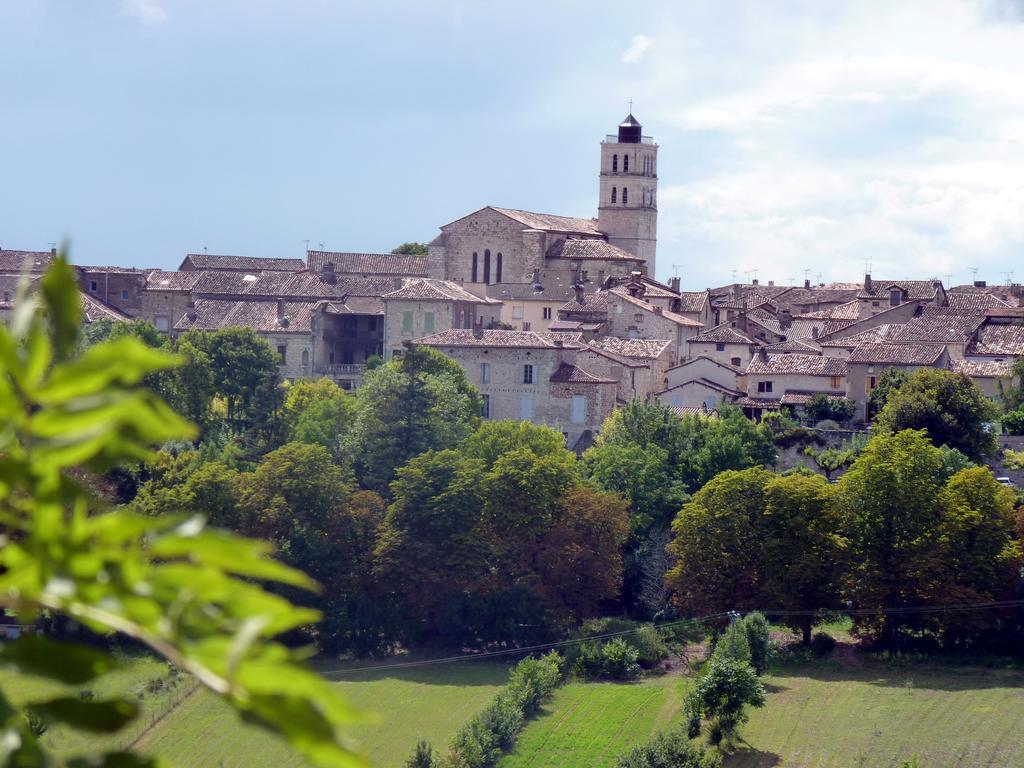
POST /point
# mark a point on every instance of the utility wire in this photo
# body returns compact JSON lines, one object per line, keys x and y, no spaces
{"x":899,"y":610}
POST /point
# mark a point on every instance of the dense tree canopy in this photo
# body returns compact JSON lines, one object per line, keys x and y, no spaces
{"x":951,"y":407}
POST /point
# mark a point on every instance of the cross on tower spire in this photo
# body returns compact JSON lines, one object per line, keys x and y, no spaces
{"x":631,"y":106}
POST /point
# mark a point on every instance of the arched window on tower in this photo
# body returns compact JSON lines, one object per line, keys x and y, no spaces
{"x":625,"y":163}
{"x":474,"y":267}
{"x":487,"y":266}
{"x":497,"y":269}
{"x":615,"y":163}
{"x":613,"y":195}
{"x":625,"y":196}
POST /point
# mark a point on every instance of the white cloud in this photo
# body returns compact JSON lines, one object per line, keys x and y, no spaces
{"x":638,"y":46}
{"x":147,"y":11}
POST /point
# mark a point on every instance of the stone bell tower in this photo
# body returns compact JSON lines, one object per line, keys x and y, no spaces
{"x":628,"y":207}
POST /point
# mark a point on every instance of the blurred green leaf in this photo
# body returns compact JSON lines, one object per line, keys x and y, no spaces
{"x":116,"y":760}
{"x":93,"y":716}
{"x":68,"y":663}
{"x":63,"y":305}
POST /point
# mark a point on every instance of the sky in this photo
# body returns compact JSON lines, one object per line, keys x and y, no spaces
{"x":796,"y":139}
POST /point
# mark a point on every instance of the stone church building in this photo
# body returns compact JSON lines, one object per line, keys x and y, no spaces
{"x":494,"y":247}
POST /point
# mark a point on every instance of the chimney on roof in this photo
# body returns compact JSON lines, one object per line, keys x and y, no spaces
{"x":579,"y":293}
{"x":979,"y":284}
{"x":280,"y":310}
{"x":478,"y":328}
{"x":762,"y":353}
{"x":771,"y":283}
{"x":674,"y":284}
{"x":867,"y":283}
{"x":785,"y":318}
{"x":807,"y":282}
{"x":814,"y":331}
{"x":754,"y":281}
{"x":658,"y":311}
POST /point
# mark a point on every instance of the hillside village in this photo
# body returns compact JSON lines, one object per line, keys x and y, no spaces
{"x":558,"y":319}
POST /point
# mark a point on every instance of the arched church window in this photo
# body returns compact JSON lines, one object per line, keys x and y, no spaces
{"x":625,"y":163}
{"x":474,"y":267}
{"x":613,"y":194}
{"x":487,"y":266}
{"x":497,"y":269}
{"x":615,"y":163}
{"x":625,"y":195}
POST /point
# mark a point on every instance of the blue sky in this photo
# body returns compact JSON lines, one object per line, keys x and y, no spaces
{"x":794,"y":135}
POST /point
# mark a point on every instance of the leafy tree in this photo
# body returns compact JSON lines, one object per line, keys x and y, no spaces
{"x":889,"y":382}
{"x":320,"y":412}
{"x":953,"y":461}
{"x":670,"y":749}
{"x":724,"y":690}
{"x":1011,"y":391}
{"x":493,"y":439}
{"x":242,"y":360}
{"x":801,"y":550}
{"x":890,"y":513}
{"x":1013,"y":421}
{"x":716,"y":543}
{"x":733,"y":643}
{"x":420,"y":402}
{"x":821,"y":407}
{"x":429,"y":548}
{"x":951,"y":407}
{"x":830,"y":460}
{"x":758,"y":640}
{"x":68,"y":414}
{"x":411,"y":249}
{"x":423,"y":757}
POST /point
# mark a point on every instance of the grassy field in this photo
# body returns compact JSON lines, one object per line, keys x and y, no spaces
{"x":427,"y":702}
{"x":590,"y":725}
{"x":827,"y":715}
{"x":129,"y":681}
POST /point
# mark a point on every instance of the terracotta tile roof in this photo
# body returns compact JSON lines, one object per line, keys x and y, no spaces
{"x":719,"y":363}
{"x":938,"y":324}
{"x":766,"y":320}
{"x":546,"y":221}
{"x":693,"y":302}
{"x":550,"y":290}
{"x":368,"y":263}
{"x":999,"y":339}
{"x":588,"y":248}
{"x":17,"y":261}
{"x":424,"y":289}
{"x":643,"y":349}
{"x":801,"y":296}
{"x":981,"y":369}
{"x":241,"y":263}
{"x":915,"y":289}
{"x":799,"y":346}
{"x":573,"y":374}
{"x":971,"y":300}
{"x":692,"y":410}
{"x":722,"y":334}
{"x":897,"y":354}
{"x":848,"y":311}
{"x":464,"y":337}
{"x":758,"y":402}
{"x":592,"y":302}
{"x":261,"y":316}
{"x":357,"y":305}
{"x":159,"y":280}
{"x":640,"y":303}
{"x":706,"y":383}
{"x":93,"y":309}
{"x":802,"y":397}
{"x":794,"y":364}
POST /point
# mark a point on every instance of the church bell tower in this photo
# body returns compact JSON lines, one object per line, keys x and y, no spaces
{"x":628,"y":207}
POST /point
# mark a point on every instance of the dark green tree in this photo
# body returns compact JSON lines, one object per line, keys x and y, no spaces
{"x":411,"y":249}
{"x":951,"y":407}
{"x":724,"y":690}
{"x":890,"y":380}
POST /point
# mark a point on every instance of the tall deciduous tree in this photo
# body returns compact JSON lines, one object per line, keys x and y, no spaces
{"x":417,"y":403}
{"x":950,"y":406}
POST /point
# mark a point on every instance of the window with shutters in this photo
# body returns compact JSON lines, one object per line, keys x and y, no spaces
{"x":527,"y":374}
{"x":579,"y":409}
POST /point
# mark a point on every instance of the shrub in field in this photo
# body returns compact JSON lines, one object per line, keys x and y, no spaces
{"x":733,"y":643}
{"x":822,"y":644}
{"x":620,"y":660}
{"x":670,"y":750}
{"x":648,"y":641}
{"x":423,"y":757}
{"x":725,"y":688}
{"x":650,"y":646}
{"x":534,"y":680}
{"x":755,"y":626}
{"x":1013,"y":421}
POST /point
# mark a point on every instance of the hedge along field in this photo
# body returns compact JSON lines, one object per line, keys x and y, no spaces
{"x":429,"y":702}
{"x":588,"y":725}
{"x":831,"y":716}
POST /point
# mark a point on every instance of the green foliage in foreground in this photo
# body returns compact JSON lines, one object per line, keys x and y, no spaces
{"x":189,"y":594}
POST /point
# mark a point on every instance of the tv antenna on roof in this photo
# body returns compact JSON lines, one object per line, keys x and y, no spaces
{"x":321,"y":246}
{"x":807,"y":273}
{"x":867,"y":265}
{"x":675,"y":269}
{"x":1009,"y":276}
{"x":750,"y":272}
{"x":204,"y":249}
{"x":307,"y":245}
{"x":949,"y":280}
{"x":734,"y":275}
{"x":974,"y":273}
{"x":818,"y":277}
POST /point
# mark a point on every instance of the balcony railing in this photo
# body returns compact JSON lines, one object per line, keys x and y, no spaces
{"x":336,"y":369}
{"x":611,"y":138}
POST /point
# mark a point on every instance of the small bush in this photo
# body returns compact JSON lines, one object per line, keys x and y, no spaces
{"x":533,"y":681}
{"x":827,"y":424}
{"x":733,"y":643}
{"x":758,"y":640}
{"x":822,"y":643}
{"x":691,"y":717}
{"x":423,"y":757}
{"x":669,"y":750}
{"x":1013,"y":460}
{"x":650,"y":647}
{"x":620,"y":660}
{"x":1013,"y":422}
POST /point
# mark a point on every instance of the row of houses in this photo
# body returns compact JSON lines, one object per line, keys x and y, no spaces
{"x":582,"y":351}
